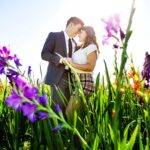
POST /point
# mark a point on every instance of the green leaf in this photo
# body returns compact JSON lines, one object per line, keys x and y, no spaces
{"x":108,"y":80}
{"x":96,"y":143}
{"x":112,"y":134}
{"x":47,"y":131}
{"x":124,"y":141}
{"x":97,"y":82}
{"x":133,"y":138}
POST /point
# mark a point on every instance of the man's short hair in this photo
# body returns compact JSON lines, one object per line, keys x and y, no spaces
{"x":75,"y":20}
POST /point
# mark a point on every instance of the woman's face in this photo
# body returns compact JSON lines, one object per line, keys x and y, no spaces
{"x":82,"y":36}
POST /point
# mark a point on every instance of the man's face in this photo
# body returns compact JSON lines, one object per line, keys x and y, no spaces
{"x":75,"y":29}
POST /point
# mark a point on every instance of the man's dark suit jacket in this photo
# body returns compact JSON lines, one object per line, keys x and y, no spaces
{"x":55,"y":43}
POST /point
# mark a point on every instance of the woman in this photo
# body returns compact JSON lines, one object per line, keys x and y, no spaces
{"x":84,"y":61}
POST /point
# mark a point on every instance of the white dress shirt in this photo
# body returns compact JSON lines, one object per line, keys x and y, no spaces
{"x":66,"y":39}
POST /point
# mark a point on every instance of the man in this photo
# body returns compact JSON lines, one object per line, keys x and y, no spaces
{"x":55,"y":45}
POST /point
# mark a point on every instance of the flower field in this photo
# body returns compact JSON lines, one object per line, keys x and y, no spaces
{"x":116,"y":116}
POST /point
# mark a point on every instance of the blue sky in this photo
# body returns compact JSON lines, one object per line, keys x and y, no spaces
{"x":25,"y":25}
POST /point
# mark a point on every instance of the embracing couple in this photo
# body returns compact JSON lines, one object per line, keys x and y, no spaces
{"x":82,"y":57}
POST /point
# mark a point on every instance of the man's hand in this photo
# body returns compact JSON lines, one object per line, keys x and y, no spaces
{"x":69,"y":60}
{"x":65,"y":60}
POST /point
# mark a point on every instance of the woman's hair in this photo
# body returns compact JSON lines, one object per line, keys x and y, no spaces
{"x":90,"y":38}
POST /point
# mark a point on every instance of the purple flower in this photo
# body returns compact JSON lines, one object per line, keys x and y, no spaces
{"x":4,"y":57}
{"x":42,"y":115}
{"x":12,"y":72}
{"x":122,"y":34}
{"x":5,"y":54}
{"x":14,"y":100}
{"x":29,"y":111}
{"x":115,"y":46}
{"x":30,"y":92}
{"x":25,"y":102}
{"x":2,"y":63}
{"x":20,"y":81}
{"x":2,"y":66}
{"x":37,"y":82}
{"x":146,"y":68}
{"x":57,"y":107}
{"x":42,"y":99}
{"x":29,"y":70}
{"x":57,"y":128}
{"x":16,"y":60}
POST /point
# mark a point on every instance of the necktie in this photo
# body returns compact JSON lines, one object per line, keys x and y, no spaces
{"x":70,"y":48}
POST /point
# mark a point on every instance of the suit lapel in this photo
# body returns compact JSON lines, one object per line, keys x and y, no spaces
{"x":75,"y":45}
{"x":64,"y":43}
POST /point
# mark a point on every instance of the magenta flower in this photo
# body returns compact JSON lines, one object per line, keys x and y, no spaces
{"x":105,"y":40}
{"x":112,"y":28}
{"x":112,"y":23}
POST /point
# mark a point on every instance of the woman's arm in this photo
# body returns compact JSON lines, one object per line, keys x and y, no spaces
{"x":91,"y":62}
